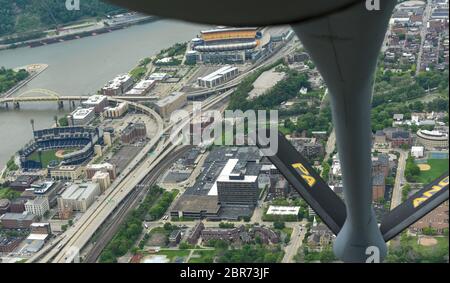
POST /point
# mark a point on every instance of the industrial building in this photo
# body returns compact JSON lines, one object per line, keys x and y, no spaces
{"x":133,"y":132}
{"x":118,"y":85}
{"x":218,"y":77}
{"x":98,"y":102}
{"x":167,"y":105}
{"x":78,"y":197}
{"x":38,"y":206}
{"x":116,"y":111}
{"x":81,"y":116}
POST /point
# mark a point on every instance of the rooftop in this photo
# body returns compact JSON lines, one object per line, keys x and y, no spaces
{"x":79,"y":191}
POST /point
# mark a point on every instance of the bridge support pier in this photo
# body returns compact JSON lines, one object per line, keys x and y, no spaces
{"x":16,"y":105}
{"x":60,"y":104}
{"x":6,"y":105}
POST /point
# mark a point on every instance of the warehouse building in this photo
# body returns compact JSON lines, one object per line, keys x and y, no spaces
{"x":79,"y":197}
{"x":218,"y":77}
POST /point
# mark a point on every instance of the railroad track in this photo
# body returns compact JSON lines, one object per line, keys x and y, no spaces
{"x":131,"y":203}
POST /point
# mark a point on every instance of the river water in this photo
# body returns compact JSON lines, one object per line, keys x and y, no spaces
{"x":81,"y":67}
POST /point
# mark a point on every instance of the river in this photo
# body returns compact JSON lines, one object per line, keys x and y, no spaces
{"x":81,"y":67}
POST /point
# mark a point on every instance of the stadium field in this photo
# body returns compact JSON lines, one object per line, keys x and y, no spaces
{"x":438,"y":167}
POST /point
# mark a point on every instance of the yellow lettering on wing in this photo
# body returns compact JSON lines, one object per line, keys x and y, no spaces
{"x":429,"y":193}
{"x":304,"y":173}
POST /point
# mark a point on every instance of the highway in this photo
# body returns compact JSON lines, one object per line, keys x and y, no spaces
{"x":110,"y":228}
{"x":68,"y":245}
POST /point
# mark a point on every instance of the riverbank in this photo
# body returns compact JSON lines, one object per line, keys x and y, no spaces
{"x":79,"y":31}
{"x":34,"y":70}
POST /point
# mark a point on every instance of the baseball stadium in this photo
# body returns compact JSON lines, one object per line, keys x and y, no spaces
{"x":60,"y":146}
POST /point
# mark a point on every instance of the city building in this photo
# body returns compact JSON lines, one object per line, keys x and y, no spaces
{"x":17,"y":205}
{"x":133,"y":132}
{"x":23,"y":182}
{"x":266,"y":235}
{"x":92,"y":169}
{"x":141,"y":88}
{"x":229,"y":235}
{"x":378,"y":187}
{"x":116,"y":111}
{"x":218,"y":77}
{"x":158,"y":77}
{"x":167,"y":105}
{"x":196,"y":207}
{"x":81,"y":117}
{"x":79,"y":196}
{"x":234,"y":187}
{"x":4,"y":206}
{"x":279,"y":187}
{"x":40,"y":228}
{"x":310,"y":148}
{"x":118,"y":85}
{"x":417,"y":151}
{"x":38,"y":206}
{"x":380,"y":165}
{"x":98,"y":102}
{"x":17,"y":220}
{"x":175,"y":237}
{"x":379,"y":137}
{"x":398,"y":137}
{"x":195,"y":233}
{"x":103,"y":179}
{"x":432,"y":139}
{"x":9,"y":244}
{"x":66,"y":172}
{"x":437,"y":219}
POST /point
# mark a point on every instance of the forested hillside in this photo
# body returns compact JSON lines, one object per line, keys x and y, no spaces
{"x":24,"y":16}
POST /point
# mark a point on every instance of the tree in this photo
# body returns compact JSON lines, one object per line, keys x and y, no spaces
{"x":279,"y":225}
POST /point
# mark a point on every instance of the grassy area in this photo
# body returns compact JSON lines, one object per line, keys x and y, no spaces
{"x":438,"y":167}
{"x":174,"y":254}
{"x":138,"y":72}
{"x":205,"y":256}
{"x":442,"y":244}
{"x":47,"y":157}
{"x":7,"y":193}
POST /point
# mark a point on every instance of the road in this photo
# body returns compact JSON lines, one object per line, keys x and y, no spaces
{"x":114,"y":223}
{"x":423,"y":33}
{"x":399,"y":180}
{"x":297,"y":236}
